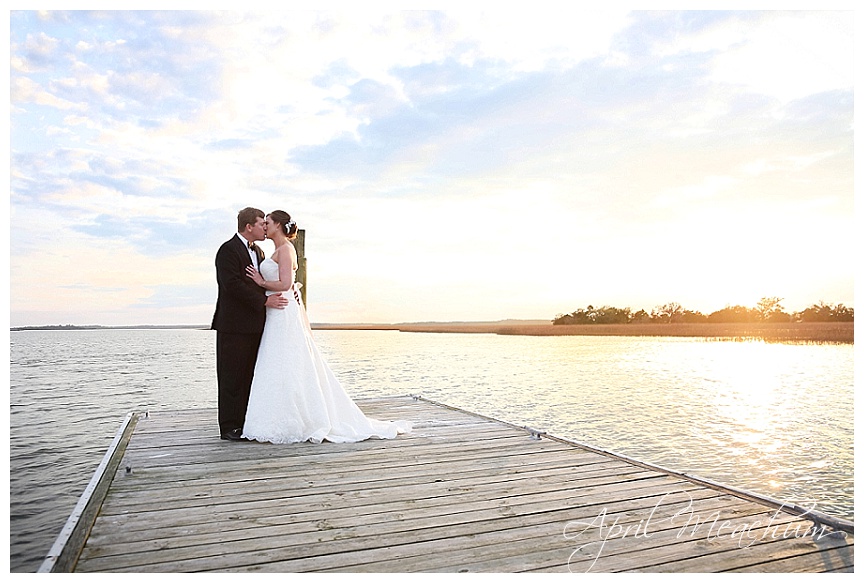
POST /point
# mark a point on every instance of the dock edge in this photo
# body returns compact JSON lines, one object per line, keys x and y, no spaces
{"x":67,"y":548}
{"x":819,"y":518}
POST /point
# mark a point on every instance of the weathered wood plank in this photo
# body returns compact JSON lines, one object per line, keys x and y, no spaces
{"x":408,"y":522}
{"x":412,"y":482}
{"x":460,"y":493}
{"x":484,"y":547}
{"x":309,"y":518}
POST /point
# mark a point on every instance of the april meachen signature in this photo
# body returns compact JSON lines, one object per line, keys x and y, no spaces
{"x":692,"y":525}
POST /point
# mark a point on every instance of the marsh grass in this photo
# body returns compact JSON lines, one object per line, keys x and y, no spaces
{"x":805,"y":332}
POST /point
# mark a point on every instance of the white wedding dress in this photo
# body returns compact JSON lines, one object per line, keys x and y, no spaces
{"x":295,"y":396}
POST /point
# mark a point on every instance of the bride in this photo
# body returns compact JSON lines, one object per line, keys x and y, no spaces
{"x":295,"y":396}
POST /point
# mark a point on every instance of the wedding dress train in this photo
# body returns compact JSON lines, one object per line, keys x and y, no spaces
{"x":295,"y":396}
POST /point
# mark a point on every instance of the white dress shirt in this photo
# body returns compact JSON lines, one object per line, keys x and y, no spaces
{"x":252,"y":255}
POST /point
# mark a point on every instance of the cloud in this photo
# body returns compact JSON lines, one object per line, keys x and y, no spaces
{"x":790,"y":55}
{"x":38,"y":51}
{"x":24,"y":90}
{"x":446,"y":165}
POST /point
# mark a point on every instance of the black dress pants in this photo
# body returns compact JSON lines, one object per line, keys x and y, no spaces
{"x":235,"y":366}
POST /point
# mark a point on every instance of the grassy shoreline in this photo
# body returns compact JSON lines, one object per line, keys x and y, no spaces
{"x":802,"y":332}
{"x":807,"y":332}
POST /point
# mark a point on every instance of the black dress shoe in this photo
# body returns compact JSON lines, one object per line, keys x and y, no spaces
{"x":234,"y":435}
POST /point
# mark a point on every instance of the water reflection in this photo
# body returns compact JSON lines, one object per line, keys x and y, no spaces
{"x":772,"y":418}
{"x":764,"y":417}
{"x":747,"y":396}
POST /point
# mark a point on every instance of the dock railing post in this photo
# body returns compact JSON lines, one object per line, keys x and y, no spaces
{"x":300,"y":246}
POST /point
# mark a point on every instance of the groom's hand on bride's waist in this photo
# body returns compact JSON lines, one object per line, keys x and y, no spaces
{"x":276,"y":301}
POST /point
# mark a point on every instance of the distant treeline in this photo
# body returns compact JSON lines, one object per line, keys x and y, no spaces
{"x":767,"y":310}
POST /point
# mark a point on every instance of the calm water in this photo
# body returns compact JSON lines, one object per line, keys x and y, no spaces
{"x":772,"y":418}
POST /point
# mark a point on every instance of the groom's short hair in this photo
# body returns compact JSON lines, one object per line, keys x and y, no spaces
{"x":248,"y":216}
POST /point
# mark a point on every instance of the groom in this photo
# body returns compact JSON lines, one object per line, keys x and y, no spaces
{"x":239,"y":320}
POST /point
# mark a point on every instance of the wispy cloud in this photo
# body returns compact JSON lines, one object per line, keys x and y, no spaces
{"x":446,"y":165}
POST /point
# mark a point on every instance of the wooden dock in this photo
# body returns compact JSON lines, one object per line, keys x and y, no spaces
{"x":461,"y":493}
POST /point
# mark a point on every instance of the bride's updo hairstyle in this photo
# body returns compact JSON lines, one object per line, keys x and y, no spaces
{"x":289,"y":227}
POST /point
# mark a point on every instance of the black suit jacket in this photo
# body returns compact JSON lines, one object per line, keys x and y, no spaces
{"x":240,"y":304}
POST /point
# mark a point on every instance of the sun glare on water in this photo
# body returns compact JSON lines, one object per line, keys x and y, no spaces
{"x":749,"y":377}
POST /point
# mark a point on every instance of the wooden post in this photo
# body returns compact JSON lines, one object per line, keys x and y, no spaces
{"x":300,"y":246}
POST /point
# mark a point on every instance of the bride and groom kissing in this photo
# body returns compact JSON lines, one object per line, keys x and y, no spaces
{"x":274,"y":385}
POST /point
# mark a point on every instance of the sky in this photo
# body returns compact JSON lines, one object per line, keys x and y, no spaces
{"x":457,"y":165}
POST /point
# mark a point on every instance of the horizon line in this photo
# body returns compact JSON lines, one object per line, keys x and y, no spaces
{"x":313,"y":324}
